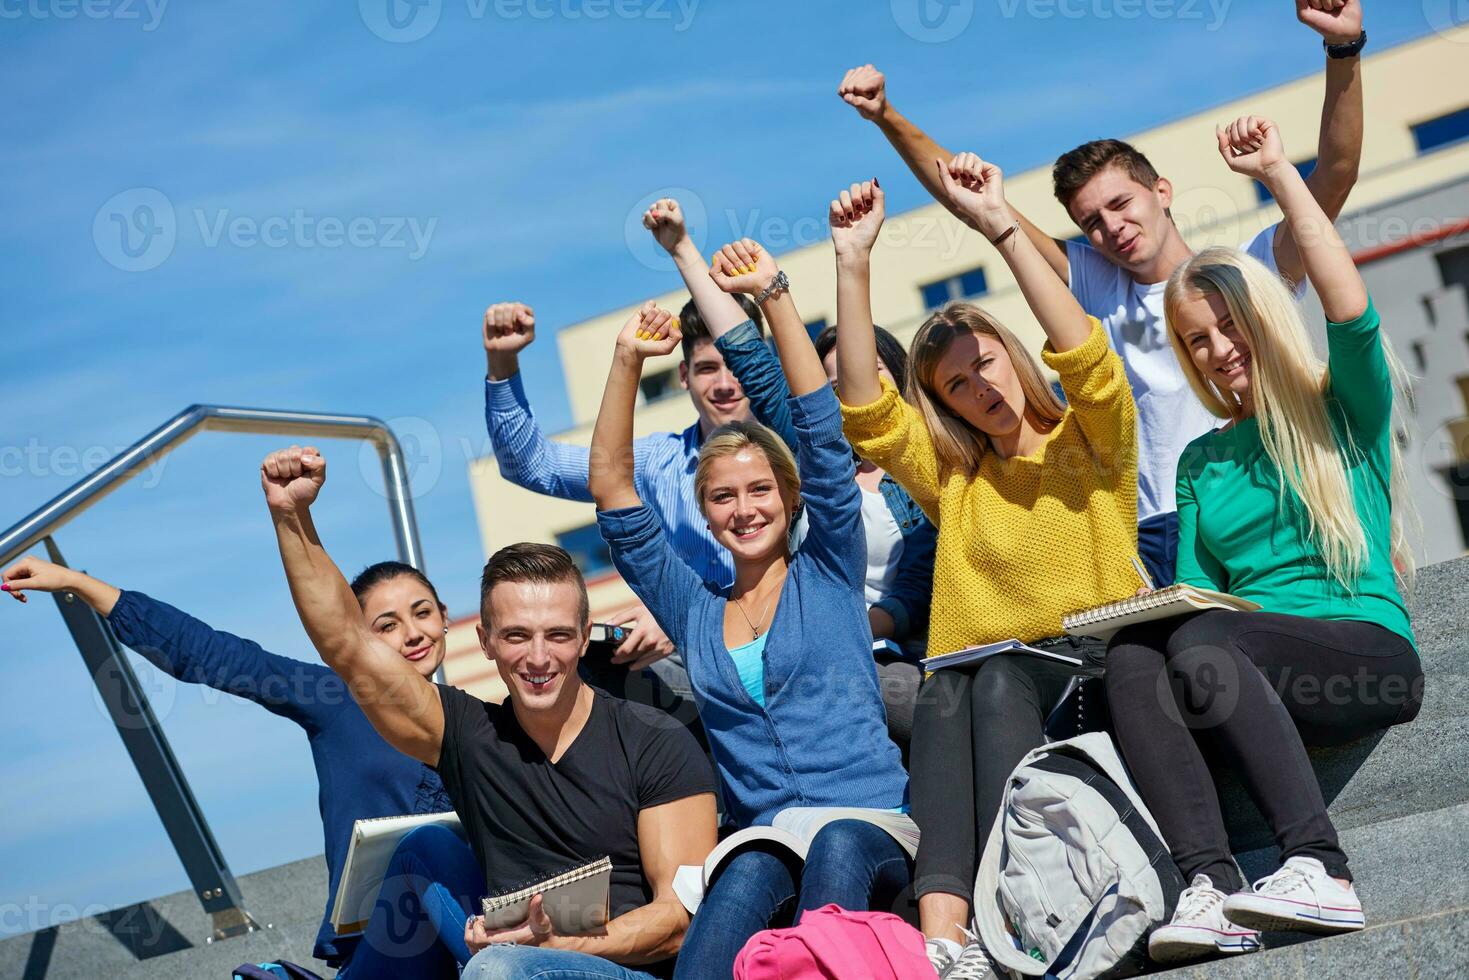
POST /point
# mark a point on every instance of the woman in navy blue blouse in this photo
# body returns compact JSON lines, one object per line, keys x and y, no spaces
{"x":433,"y":878}
{"x":781,"y":662}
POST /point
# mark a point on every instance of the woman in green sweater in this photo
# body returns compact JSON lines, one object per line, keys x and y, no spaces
{"x":1293,"y":504}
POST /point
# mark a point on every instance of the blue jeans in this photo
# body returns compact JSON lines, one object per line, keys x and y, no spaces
{"x":417,"y":926}
{"x":851,"y":863}
{"x":505,"y":961}
{"x":1157,"y":546}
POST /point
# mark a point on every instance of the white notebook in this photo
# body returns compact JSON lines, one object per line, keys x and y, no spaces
{"x":794,"y":828}
{"x":373,"y":842}
{"x":576,"y":900}
{"x":1174,"y":600}
{"x":970,"y":655}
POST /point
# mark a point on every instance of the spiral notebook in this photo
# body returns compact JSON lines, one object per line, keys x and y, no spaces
{"x":1174,"y":600}
{"x":374,"y":839}
{"x":576,"y":900}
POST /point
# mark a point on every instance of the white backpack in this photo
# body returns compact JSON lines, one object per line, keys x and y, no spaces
{"x":1075,"y":865}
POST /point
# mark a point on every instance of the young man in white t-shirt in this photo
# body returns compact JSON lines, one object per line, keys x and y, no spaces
{"x":1132,"y":245}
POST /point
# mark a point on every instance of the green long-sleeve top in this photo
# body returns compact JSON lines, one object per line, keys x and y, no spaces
{"x":1236,"y":537}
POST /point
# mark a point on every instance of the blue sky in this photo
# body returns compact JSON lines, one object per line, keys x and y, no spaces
{"x":336,"y":194}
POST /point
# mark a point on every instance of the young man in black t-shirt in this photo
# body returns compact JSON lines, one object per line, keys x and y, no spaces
{"x":559,"y":776}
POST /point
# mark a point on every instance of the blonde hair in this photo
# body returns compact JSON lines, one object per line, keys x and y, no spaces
{"x":734,"y":437}
{"x":1288,"y":384}
{"x":958,"y":445}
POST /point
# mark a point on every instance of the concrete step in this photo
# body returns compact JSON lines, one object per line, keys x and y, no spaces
{"x":1413,"y":866}
{"x":1413,"y":768}
{"x":168,"y":937}
{"x":1429,"y":947}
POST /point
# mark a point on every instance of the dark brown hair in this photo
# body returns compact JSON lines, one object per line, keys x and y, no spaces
{"x":385,"y":571}
{"x":694,"y":329}
{"x":531,"y":562}
{"x":1075,"y":167}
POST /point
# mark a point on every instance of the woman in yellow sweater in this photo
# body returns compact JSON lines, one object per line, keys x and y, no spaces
{"x":1036,"y":507}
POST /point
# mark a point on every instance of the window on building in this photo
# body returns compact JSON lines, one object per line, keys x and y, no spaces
{"x":1442,"y":131}
{"x":656,"y":387}
{"x":1304,"y":168}
{"x":1453,"y":267}
{"x":966,"y":285}
{"x":587,"y":549}
{"x":1457,"y":478}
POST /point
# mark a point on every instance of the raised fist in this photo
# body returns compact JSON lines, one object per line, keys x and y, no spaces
{"x":1338,"y":21}
{"x":291,"y":478}
{"x":856,"y":218}
{"x":509,"y":328}
{"x":1251,"y":146}
{"x":650,"y":332}
{"x":865,"y":90}
{"x":976,"y":189}
{"x":743,"y":267}
{"x":665,"y":220}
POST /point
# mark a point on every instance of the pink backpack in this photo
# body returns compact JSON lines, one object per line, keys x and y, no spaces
{"x":833,"y":944}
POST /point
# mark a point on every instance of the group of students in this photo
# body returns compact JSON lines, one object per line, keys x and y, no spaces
{"x":839,"y":490}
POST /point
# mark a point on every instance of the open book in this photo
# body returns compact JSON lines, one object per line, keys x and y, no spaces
{"x":373,"y":842}
{"x":576,"y":900}
{"x":970,"y":655}
{"x":1174,"y":600}
{"x":794,"y":829}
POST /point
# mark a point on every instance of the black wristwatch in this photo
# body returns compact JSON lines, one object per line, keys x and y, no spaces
{"x":1349,"y":49}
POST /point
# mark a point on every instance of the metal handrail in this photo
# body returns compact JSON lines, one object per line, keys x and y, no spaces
{"x":220,"y":418}
{"x":117,"y":685}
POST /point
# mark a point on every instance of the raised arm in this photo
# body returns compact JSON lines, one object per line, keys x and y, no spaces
{"x":976,"y":191}
{"x":1339,"y":145}
{"x":856,"y":218}
{"x":647,"y":333}
{"x":721,"y":312}
{"x":735,"y":335}
{"x":1252,"y":146}
{"x":745,"y":267}
{"x":865,"y":89}
{"x":525,"y":456}
{"x":403,"y":706}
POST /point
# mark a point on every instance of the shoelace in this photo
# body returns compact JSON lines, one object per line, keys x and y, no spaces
{"x":1196,"y":901}
{"x":973,"y":962}
{"x":938,"y":956}
{"x":1283,"y":882}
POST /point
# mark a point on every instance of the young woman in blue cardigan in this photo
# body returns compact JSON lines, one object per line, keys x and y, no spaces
{"x":416,"y":925}
{"x":781,"y":662}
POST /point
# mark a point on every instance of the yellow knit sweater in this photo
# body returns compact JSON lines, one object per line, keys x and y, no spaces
{"x":1029,"y":538}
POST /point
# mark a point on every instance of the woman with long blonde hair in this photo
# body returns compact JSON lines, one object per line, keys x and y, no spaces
{"x":1291,"y":504}
{"x":1036,"y":508}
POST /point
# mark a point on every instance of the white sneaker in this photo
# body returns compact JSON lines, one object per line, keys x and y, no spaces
{"x":1299,"y":897}
{"x":972,"y":963}
{"x":941,"y":954}
{"x":1199,"y":928}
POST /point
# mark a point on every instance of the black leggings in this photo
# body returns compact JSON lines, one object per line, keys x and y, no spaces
{"x":1256,"y":688}
{"x":970,"y":729}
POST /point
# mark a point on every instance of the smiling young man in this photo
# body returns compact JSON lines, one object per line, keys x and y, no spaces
{"x":1132,"y":246}
{"x":664,"y":464}
{"x":558,"y":776}
{"x":664,"y":461}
